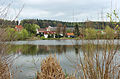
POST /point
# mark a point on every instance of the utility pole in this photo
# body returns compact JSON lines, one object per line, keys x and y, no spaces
{"x":115,"y":4}
{"x":111,"y":8}
{"x":98,"y":16}
{"x":73,"y":16}
{"x":102,"y":18}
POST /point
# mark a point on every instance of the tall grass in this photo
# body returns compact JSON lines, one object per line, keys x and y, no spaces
{"x":4,"y":70}
{"x":6,"y":60}
{"x":98,"y":61}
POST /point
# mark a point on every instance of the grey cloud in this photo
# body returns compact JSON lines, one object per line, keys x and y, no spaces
{"x":63,"y":9}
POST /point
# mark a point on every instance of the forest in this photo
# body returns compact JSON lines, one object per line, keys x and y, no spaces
{"x":54,"y":23}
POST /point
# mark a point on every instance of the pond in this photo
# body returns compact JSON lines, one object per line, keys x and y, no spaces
{"x":31,"y":53}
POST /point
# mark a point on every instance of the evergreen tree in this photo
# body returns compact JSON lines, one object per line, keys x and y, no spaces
{"x":76,"y":32}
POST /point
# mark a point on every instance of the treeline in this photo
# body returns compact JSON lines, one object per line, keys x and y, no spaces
{"x":6,"y":23}
{"x":54,"y":23}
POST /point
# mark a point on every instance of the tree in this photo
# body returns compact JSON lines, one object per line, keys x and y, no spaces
{"x":89,"y":24}
{"x":12,"y":34}
{"x":36,"y":26}
{"x":16,"y":35}
{"x":90,"y":33}
{"x":24,"y":34}
{"x":109,"y":32}
{"x":58,"y":30}
{"x":31,"y":28}
{"x":68,"y":31}
{"x":64,"y":30}
{"x":76,"y":32}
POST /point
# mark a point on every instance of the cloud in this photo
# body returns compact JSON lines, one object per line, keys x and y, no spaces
{"x":64,"y":9}
{"x":59,"y":14}
{"x":34,"y":13}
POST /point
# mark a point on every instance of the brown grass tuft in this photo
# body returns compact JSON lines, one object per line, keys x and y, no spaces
{"x":4,"y":70}
{"x":51,"y":69}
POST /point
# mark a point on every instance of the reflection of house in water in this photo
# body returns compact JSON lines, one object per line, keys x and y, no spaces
{"x":19,"y":51}
{"x":45,"y":49}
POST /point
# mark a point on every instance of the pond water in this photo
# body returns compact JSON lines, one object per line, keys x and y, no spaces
{"x":30,"y":54}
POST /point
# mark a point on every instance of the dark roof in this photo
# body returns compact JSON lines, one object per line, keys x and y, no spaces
{"x":42,"y":29}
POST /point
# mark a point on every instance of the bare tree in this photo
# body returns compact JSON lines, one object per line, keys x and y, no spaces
{"x":6,"y":60}
{"x":58,"y":30}
{"x":64,"y":30}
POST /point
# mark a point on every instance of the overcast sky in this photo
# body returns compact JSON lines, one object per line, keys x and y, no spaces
{"x":63,"y":10}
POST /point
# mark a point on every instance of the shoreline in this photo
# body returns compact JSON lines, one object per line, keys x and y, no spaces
{"x":64,"y":42}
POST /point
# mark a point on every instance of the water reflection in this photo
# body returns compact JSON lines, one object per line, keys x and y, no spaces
{"x":27,"y":52}
{"x":40,"y":49}
{"x":90,"y":49}
{"x":59,"y":49}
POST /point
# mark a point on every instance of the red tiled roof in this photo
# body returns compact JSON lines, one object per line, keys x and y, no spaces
{"x":70,"y":34}
{"x":18,"y":27}
{"x":49,"y":32}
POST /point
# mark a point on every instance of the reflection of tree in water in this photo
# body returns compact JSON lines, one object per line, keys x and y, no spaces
{"x":37,"y":49}
{"x":42,"y":49}
{"x":46,"y":49}
{"x":90,"y":49}
{"x":30,"y":50}
{"x":59,"y":49}
{"x":77,"y":47}
{"x":64,"y":48}
{"x":23,"y":49}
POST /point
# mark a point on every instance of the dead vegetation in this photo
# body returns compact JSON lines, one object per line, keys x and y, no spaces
{"x":4,"y":70}
{"x":51,"y":69}
{"x":99,"y":64}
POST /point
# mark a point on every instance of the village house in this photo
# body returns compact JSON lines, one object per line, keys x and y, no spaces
{"x":46,"y":32}
{"x":18,"y":27}
{"x":70,"y":35}
{"x":51,"y":32}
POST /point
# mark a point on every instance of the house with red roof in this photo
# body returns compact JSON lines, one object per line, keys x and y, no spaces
{"x":70,"y":35}
{"x":50,"y":32}
{"x":18,"y":27}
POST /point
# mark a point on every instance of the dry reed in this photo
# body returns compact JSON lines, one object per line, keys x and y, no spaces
{"x":4,"y":70}
{"x":100,"y":65}
{"x":51,"y":69}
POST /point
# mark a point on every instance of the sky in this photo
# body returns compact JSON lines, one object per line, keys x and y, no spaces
{"x":62,"y":10}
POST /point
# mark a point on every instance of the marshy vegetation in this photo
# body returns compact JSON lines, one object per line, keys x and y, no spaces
{"x":92,"y":61}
